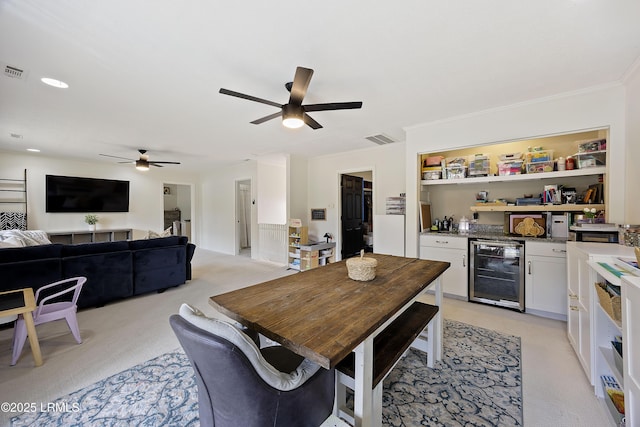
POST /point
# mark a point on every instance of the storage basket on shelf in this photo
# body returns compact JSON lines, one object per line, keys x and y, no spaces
{"x":362,"y":269}
{"x":609,"y":303}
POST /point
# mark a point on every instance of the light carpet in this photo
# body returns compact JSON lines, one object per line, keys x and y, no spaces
{"x":478,"y":382}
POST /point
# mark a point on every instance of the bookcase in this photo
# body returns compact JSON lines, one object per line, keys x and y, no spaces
{"x":297,"y":236}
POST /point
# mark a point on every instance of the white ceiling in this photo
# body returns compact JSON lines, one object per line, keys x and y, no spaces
{"x":146,"y":74}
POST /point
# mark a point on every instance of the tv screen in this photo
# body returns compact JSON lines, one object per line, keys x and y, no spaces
{"x":75,"y":194}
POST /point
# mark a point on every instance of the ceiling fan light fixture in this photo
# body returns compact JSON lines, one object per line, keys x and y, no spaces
{"x":142,"y":165}
{"x":292,"y":116}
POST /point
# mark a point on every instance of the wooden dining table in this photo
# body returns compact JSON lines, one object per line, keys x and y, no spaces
{"x":324,"y":315}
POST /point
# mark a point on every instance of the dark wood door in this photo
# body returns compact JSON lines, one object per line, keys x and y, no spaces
{"x":352,"y":230}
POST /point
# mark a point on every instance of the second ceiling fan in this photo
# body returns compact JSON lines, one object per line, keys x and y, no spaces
{"x":293,"y":113}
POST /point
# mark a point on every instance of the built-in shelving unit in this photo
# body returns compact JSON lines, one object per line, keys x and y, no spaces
{"x":598,"y":170}
{"x":13,"y":191}
{"x":606,"y":329}
{"x":89,"y":236}
{"x":536,"y":208}
{"x":297,"y":236}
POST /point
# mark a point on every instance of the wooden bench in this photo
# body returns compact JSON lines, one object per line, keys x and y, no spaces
{"x":388,"y":348}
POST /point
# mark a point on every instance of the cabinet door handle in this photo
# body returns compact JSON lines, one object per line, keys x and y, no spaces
{"x":559,"y":250}
{"x":573,"y":296}
{"x":442,"y":242}
{"x":574,"y":308}
{"x":529,"y":266}
{"x":464,"y":260}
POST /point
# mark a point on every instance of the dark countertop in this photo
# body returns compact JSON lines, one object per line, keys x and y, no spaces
{"x":495,"y":236}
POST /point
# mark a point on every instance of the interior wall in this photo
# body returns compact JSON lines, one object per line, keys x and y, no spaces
{"x":272,"y":190}
{"x":595,"y":109}
{"x":387,"y":164}
{"x":218,"y":192}
{"x":632,"y":211}
{"x":146,"y":202}
{"x":297,"y":193}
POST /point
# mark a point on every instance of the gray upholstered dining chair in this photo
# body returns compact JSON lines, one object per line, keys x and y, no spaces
{"x":240,"y":384}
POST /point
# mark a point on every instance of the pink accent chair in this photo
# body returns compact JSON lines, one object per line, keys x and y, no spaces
{"x":49,"y":311}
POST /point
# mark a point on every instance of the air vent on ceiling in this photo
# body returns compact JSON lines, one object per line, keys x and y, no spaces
{"x":381,"y":139}
{"x":13,"y":72}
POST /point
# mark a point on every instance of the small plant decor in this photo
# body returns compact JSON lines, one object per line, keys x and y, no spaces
{"x":91,"y":219}
{"x":590,"y":213}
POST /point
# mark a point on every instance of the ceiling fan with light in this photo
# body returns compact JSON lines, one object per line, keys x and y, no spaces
{"x":143,"y":162}
{"x":293,"y":113}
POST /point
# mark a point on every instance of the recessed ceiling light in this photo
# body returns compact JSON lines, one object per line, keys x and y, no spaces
{"x":55,"y":83}
{"x":35,"y":150}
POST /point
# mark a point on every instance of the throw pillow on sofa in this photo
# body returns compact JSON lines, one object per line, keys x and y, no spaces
{"x":11,"y":242}
{"x":26,"y":237}
{"x":153,"y":235}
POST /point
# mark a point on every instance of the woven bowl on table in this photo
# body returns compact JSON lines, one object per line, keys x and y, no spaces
{"x":361,"y":268}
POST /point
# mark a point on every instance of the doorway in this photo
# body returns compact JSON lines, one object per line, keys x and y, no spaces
{"x":356,"y":197}
{"x":178,"y":209}
{"x":243,"y":217}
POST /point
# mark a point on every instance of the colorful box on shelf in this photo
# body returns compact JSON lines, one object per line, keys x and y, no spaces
{"x":432,"y":172}
{"x":539,"y":167}
{"x":479,"y":165}
{"x":539,"y":156}
{"x":456,"y":171}
{"x":510,"y":167}
{"x":510,"y":157}
{"x":433,"y":161}
{"x":589,"y":145}
{"x":591,"y":159}
{"x":614,"y":397}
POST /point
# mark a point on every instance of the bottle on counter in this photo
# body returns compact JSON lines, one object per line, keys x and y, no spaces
{"x":444,"y":225}
{"x":463,"y":225}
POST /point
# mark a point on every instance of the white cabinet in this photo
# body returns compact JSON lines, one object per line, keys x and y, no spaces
{"x":452,"y":249}
{"x":545,"y":279}
{"x":582,"y":298}
{"x":580,"y":279}
{"x":605,"y":330}
{"x":631,"y":349}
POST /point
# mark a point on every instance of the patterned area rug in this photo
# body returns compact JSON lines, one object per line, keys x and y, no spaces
{"x":478,"y":383}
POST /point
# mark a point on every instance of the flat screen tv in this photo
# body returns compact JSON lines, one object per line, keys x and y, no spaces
{"x":75,"y":194}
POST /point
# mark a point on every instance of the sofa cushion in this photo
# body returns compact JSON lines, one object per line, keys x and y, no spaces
{"x":94,"y":248}
{"x":29,"y":274}
{"x":154,"y":243}
{"x":30,"y":253}
{"x":159,"y":268}
{"x":109,"y":276}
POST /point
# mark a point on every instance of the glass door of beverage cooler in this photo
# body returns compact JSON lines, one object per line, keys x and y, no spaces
{"x":497,"y":273}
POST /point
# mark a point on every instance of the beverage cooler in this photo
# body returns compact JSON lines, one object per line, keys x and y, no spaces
{"x":496,"y":274}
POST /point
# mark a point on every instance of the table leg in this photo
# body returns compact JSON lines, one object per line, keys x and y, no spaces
{"x":438,"y":320}
{"x":33,"y":338}
{"x":363,"y":393}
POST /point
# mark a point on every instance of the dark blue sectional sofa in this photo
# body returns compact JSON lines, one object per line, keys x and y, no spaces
{"x":114,"y":270}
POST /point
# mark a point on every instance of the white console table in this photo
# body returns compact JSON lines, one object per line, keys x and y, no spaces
{"x":88,"y":236}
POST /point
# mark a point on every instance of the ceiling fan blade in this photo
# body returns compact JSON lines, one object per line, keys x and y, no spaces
{"x":164,"y":163}
{"x":310,"y":122}
{"x":267,"y":118}
{"x":116,"y":157}
{"x":300,"y":84}
{"x":153,"y":164}
{"x":249,"y":97}
{"x":130,"y":162}
{"x":332,"y":106}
